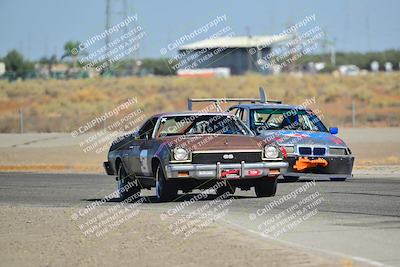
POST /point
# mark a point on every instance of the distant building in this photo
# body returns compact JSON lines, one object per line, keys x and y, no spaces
{"x":239,"y":54}
{"x":349,"y":70}
{"x":216,"y":72}
{"x":2,"y":68}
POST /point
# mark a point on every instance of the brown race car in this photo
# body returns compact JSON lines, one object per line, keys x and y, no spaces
{"x":192,"y":150}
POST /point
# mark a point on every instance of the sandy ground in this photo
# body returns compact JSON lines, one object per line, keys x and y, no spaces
{"x":62,"y":152}
{"x":40,"y":236}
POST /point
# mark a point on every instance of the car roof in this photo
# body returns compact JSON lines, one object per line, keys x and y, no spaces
{"x":268,"y":105}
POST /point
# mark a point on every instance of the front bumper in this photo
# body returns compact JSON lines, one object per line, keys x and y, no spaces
{"x":338,"y":167}
{"x":215,"y":171}
{"x":108,"y":168}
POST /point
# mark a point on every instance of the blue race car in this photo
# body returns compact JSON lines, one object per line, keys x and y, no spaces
{"x":311,"y":149}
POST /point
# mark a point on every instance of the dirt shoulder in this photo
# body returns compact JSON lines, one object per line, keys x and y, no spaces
{"x":40,"y":236}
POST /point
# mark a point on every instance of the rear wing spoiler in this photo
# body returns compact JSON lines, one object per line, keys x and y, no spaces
{"x":217,"y":101}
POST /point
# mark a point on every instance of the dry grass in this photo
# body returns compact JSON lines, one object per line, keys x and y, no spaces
{"x":78,"y":168}
{"x":54,"y":106}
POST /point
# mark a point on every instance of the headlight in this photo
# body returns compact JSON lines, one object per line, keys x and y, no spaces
{"x":289,"y":149}
{"x":181,"y":154}
{"x":337,"y":151}
{"x":271,"y":152}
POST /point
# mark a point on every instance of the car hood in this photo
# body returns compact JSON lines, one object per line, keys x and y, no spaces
{"x":214,"y":142}
{"x":302,"y":138}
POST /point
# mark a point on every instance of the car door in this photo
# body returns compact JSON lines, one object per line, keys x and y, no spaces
{"x":137,"y":156}
{"x":131,"y":151}
{"x":147,"y":151}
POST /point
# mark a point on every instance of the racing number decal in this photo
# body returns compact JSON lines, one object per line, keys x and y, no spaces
{"x":144,"y":167}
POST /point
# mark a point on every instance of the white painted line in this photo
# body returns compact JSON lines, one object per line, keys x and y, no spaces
{"x":355,"y":258}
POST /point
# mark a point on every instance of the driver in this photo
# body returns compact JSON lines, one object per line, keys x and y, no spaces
{"x":290,"y":122}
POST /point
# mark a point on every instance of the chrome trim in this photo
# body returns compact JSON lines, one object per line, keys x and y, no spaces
{"x":226,"y":151}
{"x":215,"y":169}
{"x":338,"y":147}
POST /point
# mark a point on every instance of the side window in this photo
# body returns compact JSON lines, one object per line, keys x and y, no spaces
{"x":147,"y":128}
{"x":233,"y":111}
{"x":243,"y":116}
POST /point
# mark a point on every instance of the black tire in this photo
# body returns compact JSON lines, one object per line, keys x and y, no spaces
{"x":123,"y":180}
{"x":266,"y":188}
{"x":165,"y":190}
{"x":290,"y":179}
{"x":224,"y":189}
{"x":338,"y":179}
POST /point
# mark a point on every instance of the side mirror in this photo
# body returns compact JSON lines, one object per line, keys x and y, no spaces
{"x":334,"y":130}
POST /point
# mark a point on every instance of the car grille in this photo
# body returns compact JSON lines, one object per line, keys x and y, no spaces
{"x":212,"y":158}
{"x":308,"y":151}
{"x":305,"y":150}
{"x":319,"y":151}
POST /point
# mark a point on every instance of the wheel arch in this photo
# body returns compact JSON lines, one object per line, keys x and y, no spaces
{"x":155,"y":161}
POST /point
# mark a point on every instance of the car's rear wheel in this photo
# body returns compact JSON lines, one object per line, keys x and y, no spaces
{"x":266,"y":187}
{"x":290,"y":179}
{"x":125,"y":184}
{"x":165,"y":190}
{"x":228,"y":188}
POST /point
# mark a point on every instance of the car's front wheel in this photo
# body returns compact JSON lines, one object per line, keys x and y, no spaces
{"x":165,"y":190}
{"x":266,"y":187}
{"x":126,"y":186}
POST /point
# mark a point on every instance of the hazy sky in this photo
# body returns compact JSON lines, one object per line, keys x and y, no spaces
{"x":41,"y":27}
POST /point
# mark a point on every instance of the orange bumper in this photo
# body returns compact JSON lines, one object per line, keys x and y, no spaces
{"x":304,"y":163}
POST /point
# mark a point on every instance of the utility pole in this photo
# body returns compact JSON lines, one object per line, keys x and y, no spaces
{"x":105,"y":121}
{"x":107,"y":26}
{"x":129,"y":59}
{"x":21,"y":121}
{"x":125,"y":14}
{"x":353,"y":113}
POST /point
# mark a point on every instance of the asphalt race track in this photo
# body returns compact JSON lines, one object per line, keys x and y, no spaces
{"x":359,"y":218}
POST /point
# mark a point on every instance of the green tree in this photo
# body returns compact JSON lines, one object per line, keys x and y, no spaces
{"x":71,"y":50}
{"x":158,"y":66}
{"x":17,"y":65}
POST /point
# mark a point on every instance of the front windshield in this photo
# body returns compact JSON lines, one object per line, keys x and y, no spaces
{"x":201,"y":124}
{"x":285,"y":119}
